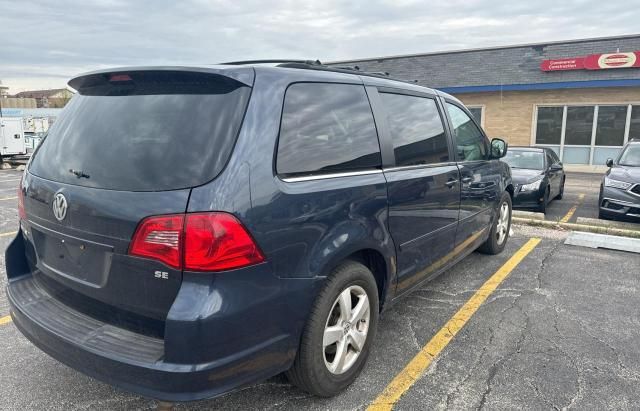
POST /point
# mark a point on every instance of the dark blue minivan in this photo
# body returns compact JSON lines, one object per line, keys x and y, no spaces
{"x":186,"y":231}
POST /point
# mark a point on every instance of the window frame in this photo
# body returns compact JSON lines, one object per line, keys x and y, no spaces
{"x":487,"y":142}
{"x":384,"y":132}
{"x":308,"y":176}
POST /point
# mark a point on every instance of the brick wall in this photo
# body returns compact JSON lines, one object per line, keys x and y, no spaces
{"x":510,"y":114}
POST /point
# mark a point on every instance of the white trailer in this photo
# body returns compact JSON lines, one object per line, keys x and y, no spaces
{"x":12,"y":141}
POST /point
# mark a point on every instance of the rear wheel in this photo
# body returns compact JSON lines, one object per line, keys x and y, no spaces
{"x":338,"y":335}
{"x":500,"y":228}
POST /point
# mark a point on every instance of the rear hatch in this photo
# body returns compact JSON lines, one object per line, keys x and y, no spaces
{"x":129,"y":145}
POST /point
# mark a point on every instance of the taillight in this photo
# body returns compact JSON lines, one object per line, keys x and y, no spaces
{"x":196,"y":242}
{"x":160,"y":238}
{"x":21,"y":213}
{"x":218,"y":242}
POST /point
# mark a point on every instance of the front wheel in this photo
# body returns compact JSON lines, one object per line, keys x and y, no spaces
{"x":545,"y":201}
{"x":561,"y":193}
{"x":339,"y":332}
{"x":500,"y":228}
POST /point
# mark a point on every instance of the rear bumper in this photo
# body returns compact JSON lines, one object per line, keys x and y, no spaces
{"x":149,"y":366}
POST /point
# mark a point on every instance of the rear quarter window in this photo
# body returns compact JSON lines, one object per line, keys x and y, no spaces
{"x":326,"y":128}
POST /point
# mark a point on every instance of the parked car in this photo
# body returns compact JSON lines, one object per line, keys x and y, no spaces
{"x":538,"y":176}
{"x":185,"y":231}
{"x":620,"y":187}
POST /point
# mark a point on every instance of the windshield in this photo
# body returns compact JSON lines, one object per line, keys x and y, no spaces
{"x":525,"y":159}
{"x":150,"y":134}
{"x":630,"y":156}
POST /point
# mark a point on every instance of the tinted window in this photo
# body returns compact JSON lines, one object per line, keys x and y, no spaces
{"x":549,"y":159}
{"x":579,"y":126}
{"x":471,"y":143}
{"x":549,"y":125}
{"x":326,"y":128}
{"x":416,"y":129}
{"x":154,"y":133}
{"x":611,"y":124}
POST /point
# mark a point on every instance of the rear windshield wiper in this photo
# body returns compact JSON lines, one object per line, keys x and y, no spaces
{"x":79,"y":173}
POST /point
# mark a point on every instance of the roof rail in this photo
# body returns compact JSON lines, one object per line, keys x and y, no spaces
{"x":317,"y":65}
{"x":339,"y":69}
{"x":271,"y":61}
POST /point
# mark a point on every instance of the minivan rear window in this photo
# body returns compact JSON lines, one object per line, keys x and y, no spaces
{"x":144,"y":132}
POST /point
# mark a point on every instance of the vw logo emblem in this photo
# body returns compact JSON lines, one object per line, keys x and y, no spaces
{"x":59,"y":206}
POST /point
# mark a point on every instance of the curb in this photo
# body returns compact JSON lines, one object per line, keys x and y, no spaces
{"x":528,"y":215}
{"x":577,"y":227}
{"x":608,"y":223}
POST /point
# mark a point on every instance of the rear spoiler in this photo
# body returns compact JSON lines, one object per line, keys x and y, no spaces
{"x":243,"y":75}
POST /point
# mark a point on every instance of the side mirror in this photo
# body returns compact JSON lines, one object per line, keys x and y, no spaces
{"x":556,"y":167}
{"x":609,"y":162}
{"x":499,"y":148}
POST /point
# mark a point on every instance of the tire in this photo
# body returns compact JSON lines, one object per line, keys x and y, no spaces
{"x":497,"y":237}
{"x":316,"y":368}
{"x":545,"y":201}
{"x":561,"y":193}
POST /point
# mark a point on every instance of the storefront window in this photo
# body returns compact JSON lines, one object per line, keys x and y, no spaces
{"x":611,"y":124}
{"x":634,"y":124}
{"x":579,"y":126}
{"x":549,"y":125}
{"x":586,"y":134}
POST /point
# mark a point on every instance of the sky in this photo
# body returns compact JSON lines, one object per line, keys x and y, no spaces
{"x":44,"y":43}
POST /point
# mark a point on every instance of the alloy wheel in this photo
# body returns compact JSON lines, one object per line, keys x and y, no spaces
{"x":346,"y":329}
{"x":502,"y":229}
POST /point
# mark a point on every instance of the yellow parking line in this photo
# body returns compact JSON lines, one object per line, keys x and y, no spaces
{"x":8,"y":234}
{"x":4,"y":320}
{"x":572,"y":210}
{"x":416,"y":367}
{"x":8,"y":198}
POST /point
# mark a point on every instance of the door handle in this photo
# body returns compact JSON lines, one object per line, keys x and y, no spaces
{"x":467,"y":179}
{"x":451,"y":183}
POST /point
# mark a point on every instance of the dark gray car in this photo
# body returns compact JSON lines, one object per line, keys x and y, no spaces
{"x":620,"y":188}
{"x":538,"y":176}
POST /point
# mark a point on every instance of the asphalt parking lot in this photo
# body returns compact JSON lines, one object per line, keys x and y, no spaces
{"x":561,"y":331}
